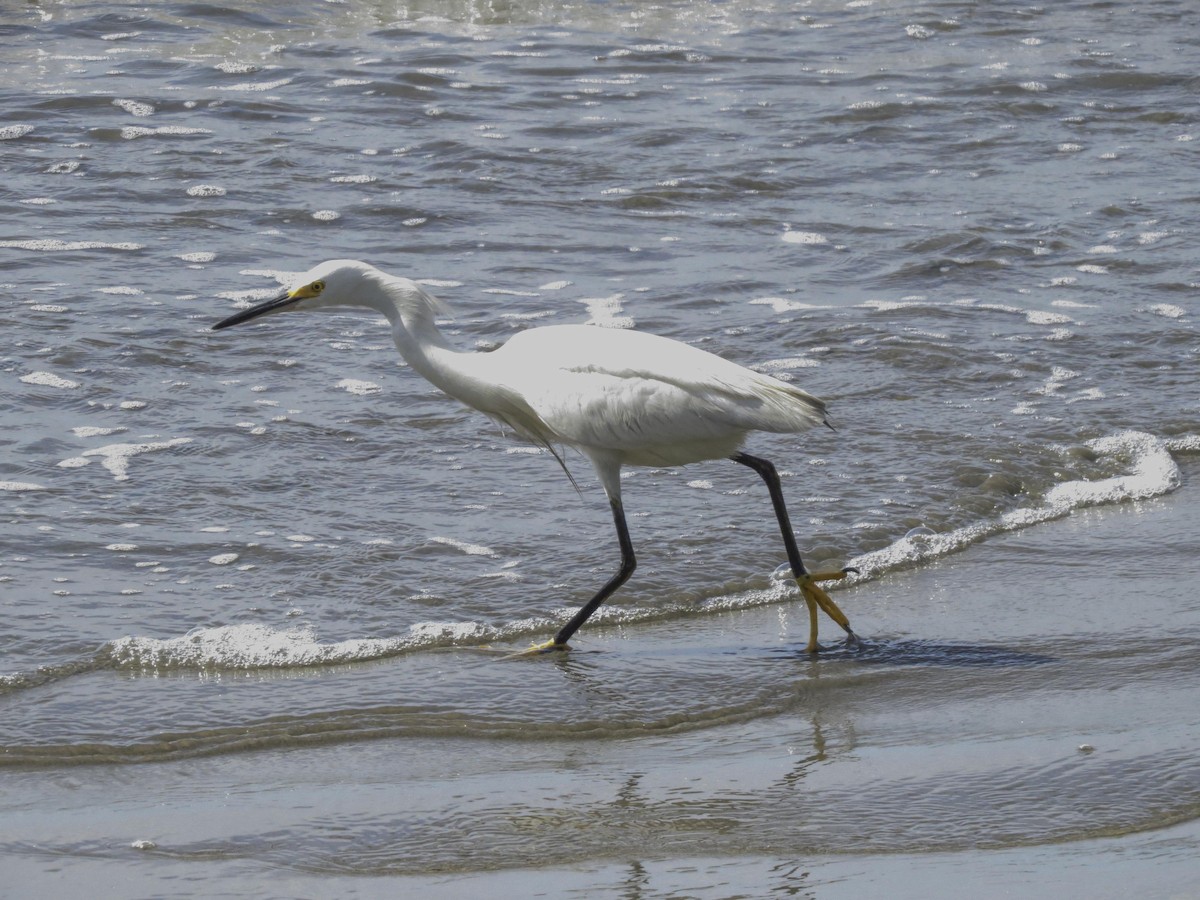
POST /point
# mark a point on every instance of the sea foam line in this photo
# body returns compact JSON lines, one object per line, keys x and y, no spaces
{"x":1151,"y":471}
{"x":256,"y":646}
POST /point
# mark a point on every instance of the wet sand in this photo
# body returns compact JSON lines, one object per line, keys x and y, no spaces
{"x":1158,"y":864}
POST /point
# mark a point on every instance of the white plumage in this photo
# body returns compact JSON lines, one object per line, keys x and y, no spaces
{"x":620,"y":397}
{"x":654,"y":400}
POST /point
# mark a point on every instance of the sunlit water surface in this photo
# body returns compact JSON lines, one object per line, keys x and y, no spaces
{"x":263,"y":562}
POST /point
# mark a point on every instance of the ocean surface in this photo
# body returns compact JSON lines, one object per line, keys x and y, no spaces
{"x":256,"y":586}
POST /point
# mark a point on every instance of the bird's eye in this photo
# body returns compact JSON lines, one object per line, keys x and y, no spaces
{"x":317,"y":287}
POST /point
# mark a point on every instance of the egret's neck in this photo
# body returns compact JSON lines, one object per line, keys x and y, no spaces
{"x":423,"y":345}
{"x":412,"y":314}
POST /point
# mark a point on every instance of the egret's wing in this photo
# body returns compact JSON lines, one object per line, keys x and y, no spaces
{"x":617,"y":389}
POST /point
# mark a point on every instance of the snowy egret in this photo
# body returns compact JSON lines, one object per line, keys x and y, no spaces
{"x":619,"y":397}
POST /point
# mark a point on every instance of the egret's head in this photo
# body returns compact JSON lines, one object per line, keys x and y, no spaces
{"x":339,"y":282}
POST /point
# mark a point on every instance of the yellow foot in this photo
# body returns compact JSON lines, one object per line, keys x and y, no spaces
{"x":816,"y":598}
{"x":852,"y":642}
{"x":539,"y":649}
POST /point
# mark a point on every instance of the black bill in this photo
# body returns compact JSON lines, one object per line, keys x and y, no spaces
{"x":283,"y":301}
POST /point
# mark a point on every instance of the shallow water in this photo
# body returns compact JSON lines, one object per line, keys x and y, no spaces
{"x":256,"y":556}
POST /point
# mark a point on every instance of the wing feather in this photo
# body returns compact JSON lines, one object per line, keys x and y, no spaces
{"x":627,"y":391}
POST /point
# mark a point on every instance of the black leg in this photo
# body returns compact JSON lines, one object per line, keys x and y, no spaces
{"x":814,"y":596}
{"x":766,"y":469}
{"x":628,"y":564}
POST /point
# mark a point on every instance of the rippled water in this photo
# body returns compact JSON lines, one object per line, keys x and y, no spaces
{"x":268,"y":557}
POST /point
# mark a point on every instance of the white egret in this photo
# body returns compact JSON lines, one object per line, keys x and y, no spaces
{"x":619,"y":397}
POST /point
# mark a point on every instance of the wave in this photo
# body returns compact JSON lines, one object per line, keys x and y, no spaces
{"x":255,"y":646}
{"x":1150,"y":471}
{"x":1147,"y":469}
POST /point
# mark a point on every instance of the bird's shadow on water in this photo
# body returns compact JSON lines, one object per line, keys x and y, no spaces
{"x":901,"y":652}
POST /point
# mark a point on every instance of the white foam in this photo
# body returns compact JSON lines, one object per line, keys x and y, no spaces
{"x":890,"y":305}
{"x":20,"y":486}
{"x":49,"y":379}
{"x":780,"y":304}
{"x":469,"y":549}
{"x":1150,"y":472}
{"x":1039,"y":317}
{"x":361,"y":388}
{"x":247,"y":297}
{"x":791,"y":362}
{"x":11,"y":132}
{"x":116,"y":457}
{"x":504,"y":575}
{"x":247,"y":646}
{"x":130,"y":132}
{"x":53,"y":245}
{"x":1167,"y":310}
{"x":223,"y":559}
{"x":135,"y":107}
{"x":206,"y":190}
{"x":254,"y":86}
{"x":1059,"y":375}
{"x":809,"y":238}
{"x":1184,"y":443}
{"x":256,"y":646}
{"x":604,"y":311}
